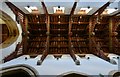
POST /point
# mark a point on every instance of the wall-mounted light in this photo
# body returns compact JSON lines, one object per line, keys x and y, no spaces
{"x":57,"y":58}
{"x":117,"y":57}
{"x":30,"y":9}
{"x":88,"y":7}
{"x":25,"y":58}
{"x":88,"y":57}
{"x":58,"y":9}
{"x":28,"y":6}
{"x":109,"y":11}
{"x":115,"y":8}
{"x":58,"y":6}
{"x":84,"y":10}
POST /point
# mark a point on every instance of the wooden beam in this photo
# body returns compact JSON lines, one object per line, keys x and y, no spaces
{"x":15,"y":54}
{"x":44,"y":8}
{"x":44,"y":55}
{"x":101,"y":9}
{"x":18,"y":14}
{"x":45,"y":52}
{"x":14,"y":8}
{"x":73,"y":8}
{"x":115,"y":45}
{"x":72,"y":54}
{"x":97,"y":51}
{"x":71,"y":51}
{"x":16,"y":11}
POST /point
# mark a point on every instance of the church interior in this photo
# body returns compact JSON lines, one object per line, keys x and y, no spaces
{"x":59,"y":38}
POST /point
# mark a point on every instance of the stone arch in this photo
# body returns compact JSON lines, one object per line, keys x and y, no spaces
{"x":12,"y":29}
{"x":19,"y":71}
{"x":73,"y":73}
